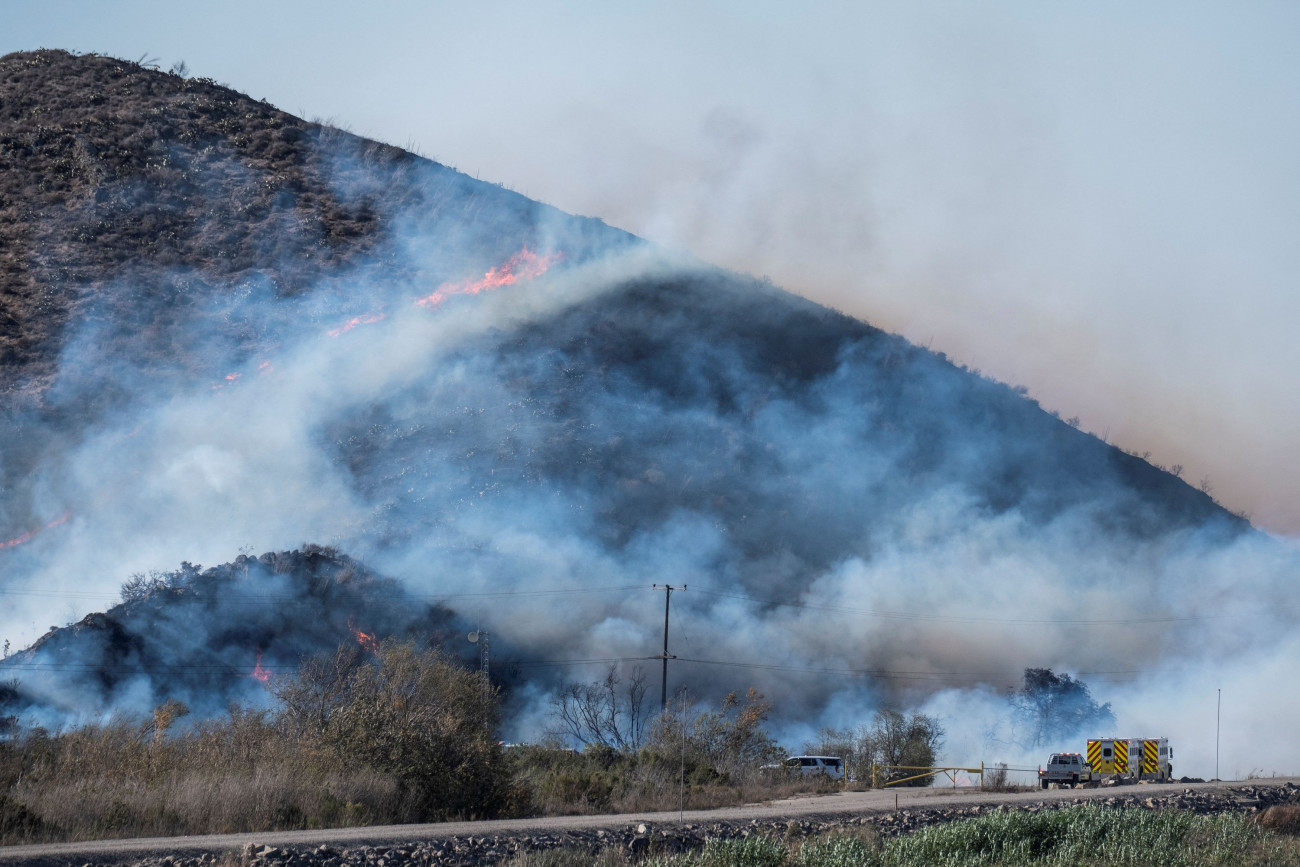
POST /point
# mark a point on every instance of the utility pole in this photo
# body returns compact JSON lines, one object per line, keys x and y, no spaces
{"x":1218,"y":709}
{"x":665,"y":656}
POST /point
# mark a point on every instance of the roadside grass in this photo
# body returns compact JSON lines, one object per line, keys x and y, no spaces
{"x":1087,"y":835}
{"x":247,"y":772}
{"x":1093,"y":835}
{"x":240,"y":774}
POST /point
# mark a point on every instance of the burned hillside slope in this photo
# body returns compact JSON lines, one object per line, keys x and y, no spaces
{"x":712,"y":395}
{"x":158,"y":232}
{"x":118,"y":181}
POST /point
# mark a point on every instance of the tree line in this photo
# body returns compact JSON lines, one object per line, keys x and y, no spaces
{"x":405,"y":734}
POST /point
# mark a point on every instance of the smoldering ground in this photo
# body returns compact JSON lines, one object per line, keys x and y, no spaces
{"x":858,"y":522}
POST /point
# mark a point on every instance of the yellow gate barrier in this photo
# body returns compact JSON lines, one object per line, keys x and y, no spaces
{"x":928,"y":772}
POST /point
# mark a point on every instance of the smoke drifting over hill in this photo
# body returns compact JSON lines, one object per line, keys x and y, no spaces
{"x":576,"y":417}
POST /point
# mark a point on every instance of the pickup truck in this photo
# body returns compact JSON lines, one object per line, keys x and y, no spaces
{"x":1065,"y":768}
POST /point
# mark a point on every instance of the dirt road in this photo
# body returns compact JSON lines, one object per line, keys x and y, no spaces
{"x":856,"y":804}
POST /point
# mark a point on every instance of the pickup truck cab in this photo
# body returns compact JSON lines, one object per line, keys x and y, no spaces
{"x":1066,"y":768}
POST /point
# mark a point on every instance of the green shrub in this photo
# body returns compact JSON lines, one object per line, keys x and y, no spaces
{"x":1080,"y":835}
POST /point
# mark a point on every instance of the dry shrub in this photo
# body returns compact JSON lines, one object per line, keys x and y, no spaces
{"x":404,"y":736}
{"x":1281,"y":818}
{"x":996,"y":779}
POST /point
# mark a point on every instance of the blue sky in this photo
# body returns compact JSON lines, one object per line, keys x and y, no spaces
{"x":1099,"y":201}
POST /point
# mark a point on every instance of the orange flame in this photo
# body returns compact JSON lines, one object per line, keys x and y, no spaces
{"x":32,"y":534}
{"x":231,"y":379}
{"x":363,"y":319}
{"x":524,"y":265}
{"x":260,"y":673}
{"x":369,"y":642}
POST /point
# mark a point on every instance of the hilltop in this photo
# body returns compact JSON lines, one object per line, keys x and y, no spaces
{"x":111,"y":172}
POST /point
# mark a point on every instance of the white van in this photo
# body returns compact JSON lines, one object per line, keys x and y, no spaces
{"x":831,"y":766}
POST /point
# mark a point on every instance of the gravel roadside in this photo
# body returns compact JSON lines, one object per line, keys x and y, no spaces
{"x":469,"y":844}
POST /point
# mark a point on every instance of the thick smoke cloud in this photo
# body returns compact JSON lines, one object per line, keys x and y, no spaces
{"x":1096,"y":201}
{"x":858,"y":522}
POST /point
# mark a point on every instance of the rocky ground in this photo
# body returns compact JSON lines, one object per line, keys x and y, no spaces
{"x":640,"y":838}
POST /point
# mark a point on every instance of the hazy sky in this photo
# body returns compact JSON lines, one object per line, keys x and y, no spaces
{"x":1099,"y":201}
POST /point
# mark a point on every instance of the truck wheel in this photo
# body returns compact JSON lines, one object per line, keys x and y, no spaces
{"x":1074,"y":781}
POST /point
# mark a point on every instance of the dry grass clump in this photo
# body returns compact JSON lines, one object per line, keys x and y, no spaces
{"x":236,"y":774}
{"x":1281,"y":818}
{"x":996,"y":779}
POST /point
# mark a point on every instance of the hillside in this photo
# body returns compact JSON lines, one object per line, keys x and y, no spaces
{"x":221,"y":325}
{"x":207,"y":637}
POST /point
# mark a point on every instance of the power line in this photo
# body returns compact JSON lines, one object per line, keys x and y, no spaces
{"x":944,"y":618}
{"x":219,"y":666}
{"x":885,"y":673}
{"x":287,"y":600}
{"x":134,"y":668}
{"x":560,"y":663}
{"x":279,"y":598}
{"x":554,"y":592}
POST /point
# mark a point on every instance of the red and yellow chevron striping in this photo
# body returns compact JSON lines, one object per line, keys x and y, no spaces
{"x":1150,"y":757}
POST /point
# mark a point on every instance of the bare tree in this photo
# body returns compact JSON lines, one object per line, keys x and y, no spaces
{"x":611,"y":711}
{"x":856,"y":746}
{"x":912,"y":740}
{"x":321,"y":687}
